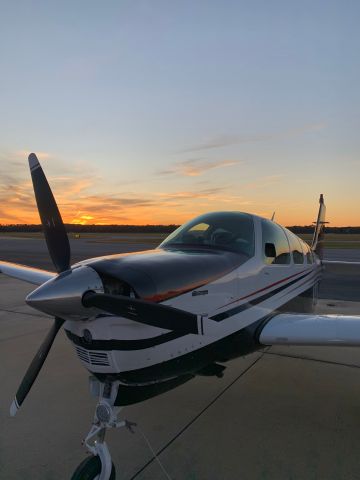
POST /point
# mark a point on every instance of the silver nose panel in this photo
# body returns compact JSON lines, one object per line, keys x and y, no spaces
{"x":61,"y":296}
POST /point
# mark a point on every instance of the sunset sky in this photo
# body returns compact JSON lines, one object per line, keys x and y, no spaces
{"x":148,"y":112}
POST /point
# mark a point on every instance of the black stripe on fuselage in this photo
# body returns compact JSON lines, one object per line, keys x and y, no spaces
{"x":316,"y":278}
{"x":239,"y":343}
{"x":140,"y":344}
{"x":245,"y":306}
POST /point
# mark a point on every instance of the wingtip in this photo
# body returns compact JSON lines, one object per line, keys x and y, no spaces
{"x":33,"y":161}
{"x":14,"y":408}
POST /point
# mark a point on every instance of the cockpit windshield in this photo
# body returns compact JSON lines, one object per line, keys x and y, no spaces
{"x":232,"y":231}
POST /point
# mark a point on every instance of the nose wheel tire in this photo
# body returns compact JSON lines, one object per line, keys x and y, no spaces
{"x":90,"y":469}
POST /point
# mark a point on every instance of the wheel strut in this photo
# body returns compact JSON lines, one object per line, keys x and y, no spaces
{"x":105,"y":417}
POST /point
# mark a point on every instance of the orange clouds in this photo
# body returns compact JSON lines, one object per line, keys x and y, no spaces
{"x":80,"y":202}
{"x":174,"y":200}
{"x":197,"y":166}
{"x":79,"y":206}
{"x":18,"y":206}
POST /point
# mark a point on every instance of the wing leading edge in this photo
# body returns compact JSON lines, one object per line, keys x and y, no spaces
{"x":27,"y":274}
{"x":316,"y":330}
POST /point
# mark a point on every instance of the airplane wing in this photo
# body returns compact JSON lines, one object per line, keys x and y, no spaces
{"x":342,"y":268}
{"x":317,"y":330}
{"x":27,"y":274}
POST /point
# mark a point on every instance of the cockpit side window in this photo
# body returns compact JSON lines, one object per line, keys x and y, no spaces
{"x":296,"y":249}
{"x":233,"y":231}
{"x":275,"y":246}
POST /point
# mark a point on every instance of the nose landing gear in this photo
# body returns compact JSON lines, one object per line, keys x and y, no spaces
{"x":90,"y":469}
{"x":99,"y":466}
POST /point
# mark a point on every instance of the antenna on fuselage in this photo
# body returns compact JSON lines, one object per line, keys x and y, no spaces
{"x":273,"y":216}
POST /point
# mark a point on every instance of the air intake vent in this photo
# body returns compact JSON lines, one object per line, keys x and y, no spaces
{"x":93,"y":358}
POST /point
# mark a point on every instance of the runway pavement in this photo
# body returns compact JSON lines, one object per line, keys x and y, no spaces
{"x":284,"y":413}
{"x":33,"y":251}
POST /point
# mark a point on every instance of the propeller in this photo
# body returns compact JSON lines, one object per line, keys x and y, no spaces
{"x":59,"y":249}
{"x":55,"y":234}
{"x":35,"y":367}
{"x":142,"y":311}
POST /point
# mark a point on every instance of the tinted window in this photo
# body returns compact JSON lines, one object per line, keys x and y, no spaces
{"x":274,"y":234}
{"x":222,"y":230}
{"x":296,"y":249}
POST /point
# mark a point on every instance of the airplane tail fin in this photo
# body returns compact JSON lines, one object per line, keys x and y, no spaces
{"x":319,"y":232}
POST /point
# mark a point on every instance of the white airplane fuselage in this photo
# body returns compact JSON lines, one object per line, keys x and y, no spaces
{"x":231,"y":307}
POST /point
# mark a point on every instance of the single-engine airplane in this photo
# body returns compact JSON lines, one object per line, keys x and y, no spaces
{"x":221,"y":286}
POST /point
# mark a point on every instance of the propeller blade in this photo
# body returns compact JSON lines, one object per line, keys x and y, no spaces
{"x":154,"y":314}
{"x":35,"y":367}
{"x":55,"y":235}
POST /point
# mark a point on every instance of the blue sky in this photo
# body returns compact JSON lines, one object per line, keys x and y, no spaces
{"x":155,"y":111}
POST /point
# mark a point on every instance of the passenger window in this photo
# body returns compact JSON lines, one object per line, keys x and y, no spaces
{"x":296,"y":249}
{"x":307,"y":252}
{"x":275,"y":246}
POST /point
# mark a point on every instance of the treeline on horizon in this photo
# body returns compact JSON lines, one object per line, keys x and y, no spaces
{"x":76,"y":228}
